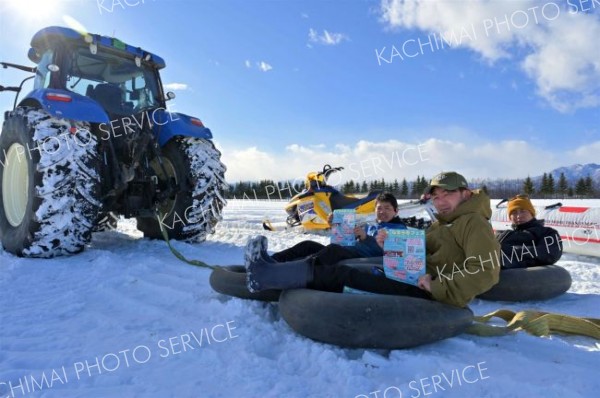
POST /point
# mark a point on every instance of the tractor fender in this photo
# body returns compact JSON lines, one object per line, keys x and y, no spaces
{"x":167,"y":125}
{"x":72,"y":106}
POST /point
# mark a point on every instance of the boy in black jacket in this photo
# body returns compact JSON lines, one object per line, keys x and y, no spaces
{"x":386,"y":209}
{"x":529,"y":243}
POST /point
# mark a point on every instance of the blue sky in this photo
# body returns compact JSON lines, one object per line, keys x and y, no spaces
{"x":287,"y":86}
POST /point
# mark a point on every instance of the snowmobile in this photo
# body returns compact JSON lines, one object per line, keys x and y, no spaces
{"x":311,"y":207}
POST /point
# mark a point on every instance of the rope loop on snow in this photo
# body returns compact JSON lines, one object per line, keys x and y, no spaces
{"x":536,"y":323}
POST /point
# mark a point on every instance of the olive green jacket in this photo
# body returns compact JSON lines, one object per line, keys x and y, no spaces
{"x":462,"y":253}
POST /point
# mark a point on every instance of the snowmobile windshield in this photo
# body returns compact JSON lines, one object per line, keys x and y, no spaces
{"x":115,"y":82}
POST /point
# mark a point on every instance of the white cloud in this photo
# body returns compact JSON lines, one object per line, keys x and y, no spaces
{"x":559,"y":54}
{"x":176,"y":86}
{"x":263,"y":66}
{"x":585,"y":154}
{"x":238,"y":163}
{"x":368,"y":160}
{"x":326,"y":38}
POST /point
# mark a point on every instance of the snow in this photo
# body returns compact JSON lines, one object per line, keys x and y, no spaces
{"x":126,"y":295}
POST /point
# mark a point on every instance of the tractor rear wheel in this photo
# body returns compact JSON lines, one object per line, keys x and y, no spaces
{"x":50,"y":184}
{"x":194,"y":165}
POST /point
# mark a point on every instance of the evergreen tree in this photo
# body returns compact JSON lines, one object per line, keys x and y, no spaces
{"x":395,"y":187}
{"x":563,"y":185}
{"x":550,"y":188}
{"x":347,"y":187}
{"x":364,"y":188}
{"x":424,"y":185}
{"x":544,"y":186}
{"x":415,"y":186}
{"x":404,"y":189}
{"x":418,"y":186}
{"x":589,"y":186}
{"x":581,"y":188}
{"x":528,"y":188}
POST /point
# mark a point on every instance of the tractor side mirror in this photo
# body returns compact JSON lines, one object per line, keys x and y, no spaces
{"x":170,"y":95}
{"x":33,"y":56}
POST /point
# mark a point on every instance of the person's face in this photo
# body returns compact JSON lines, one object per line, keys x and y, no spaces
{"x":520,"y":216}
{"x":445,"y":202}
{"x":385,"y":211}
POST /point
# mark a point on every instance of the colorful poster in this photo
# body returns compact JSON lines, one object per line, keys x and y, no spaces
{"x":342,"y":227}
{"x":404,"y":255}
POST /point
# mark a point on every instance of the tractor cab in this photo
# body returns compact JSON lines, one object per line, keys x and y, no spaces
{"x":92,"y":69}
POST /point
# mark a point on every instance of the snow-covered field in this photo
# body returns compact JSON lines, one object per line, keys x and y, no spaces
{"x":125,"y":318}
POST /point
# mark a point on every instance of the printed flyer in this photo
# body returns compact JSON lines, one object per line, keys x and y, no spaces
{"x":404,"y":255}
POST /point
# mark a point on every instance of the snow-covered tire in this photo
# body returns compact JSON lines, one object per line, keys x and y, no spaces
{"x":50,"y":184}
{"x":195,"y":210}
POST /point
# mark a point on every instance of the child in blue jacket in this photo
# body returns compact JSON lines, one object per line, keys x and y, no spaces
{"x":386,"y":208}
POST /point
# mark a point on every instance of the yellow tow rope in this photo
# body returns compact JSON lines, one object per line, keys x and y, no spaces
{"x":176,"y":253}
{"x":536,"y":323}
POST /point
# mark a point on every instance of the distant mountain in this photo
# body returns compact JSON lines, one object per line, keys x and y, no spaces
{"x":575,"y":172}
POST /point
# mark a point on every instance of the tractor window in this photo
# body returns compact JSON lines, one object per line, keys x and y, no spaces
{"x":42,"y":75}
{"x":115,"y":82}
{"x":139,"y":91}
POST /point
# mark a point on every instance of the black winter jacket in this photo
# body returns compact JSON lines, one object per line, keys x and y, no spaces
{"x":529,"y":245}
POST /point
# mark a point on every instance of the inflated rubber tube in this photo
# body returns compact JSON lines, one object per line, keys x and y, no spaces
{"x":231,"y":280}
{"x":519,"y":284}
{"x":364,"y":263}
{"x":533,"y":283}
{"x":370,"y":320}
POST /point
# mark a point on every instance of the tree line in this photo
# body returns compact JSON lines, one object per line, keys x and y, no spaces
{"x":548,"y":188}
{"x":404,"y":189}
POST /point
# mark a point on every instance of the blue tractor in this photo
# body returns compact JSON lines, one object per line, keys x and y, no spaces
{"x":94,"y":141}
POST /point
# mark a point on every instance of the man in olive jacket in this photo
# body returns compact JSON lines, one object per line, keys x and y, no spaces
{"x":463,"y":257}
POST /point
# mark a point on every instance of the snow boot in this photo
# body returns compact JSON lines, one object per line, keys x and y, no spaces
{"x":256,"y":248}
{"x":264,"y":275}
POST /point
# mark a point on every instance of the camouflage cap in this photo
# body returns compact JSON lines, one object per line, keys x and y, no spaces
{"x":448,"y":180}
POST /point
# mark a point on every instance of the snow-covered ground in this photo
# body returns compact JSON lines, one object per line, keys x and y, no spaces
{"x":125,"y":318}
